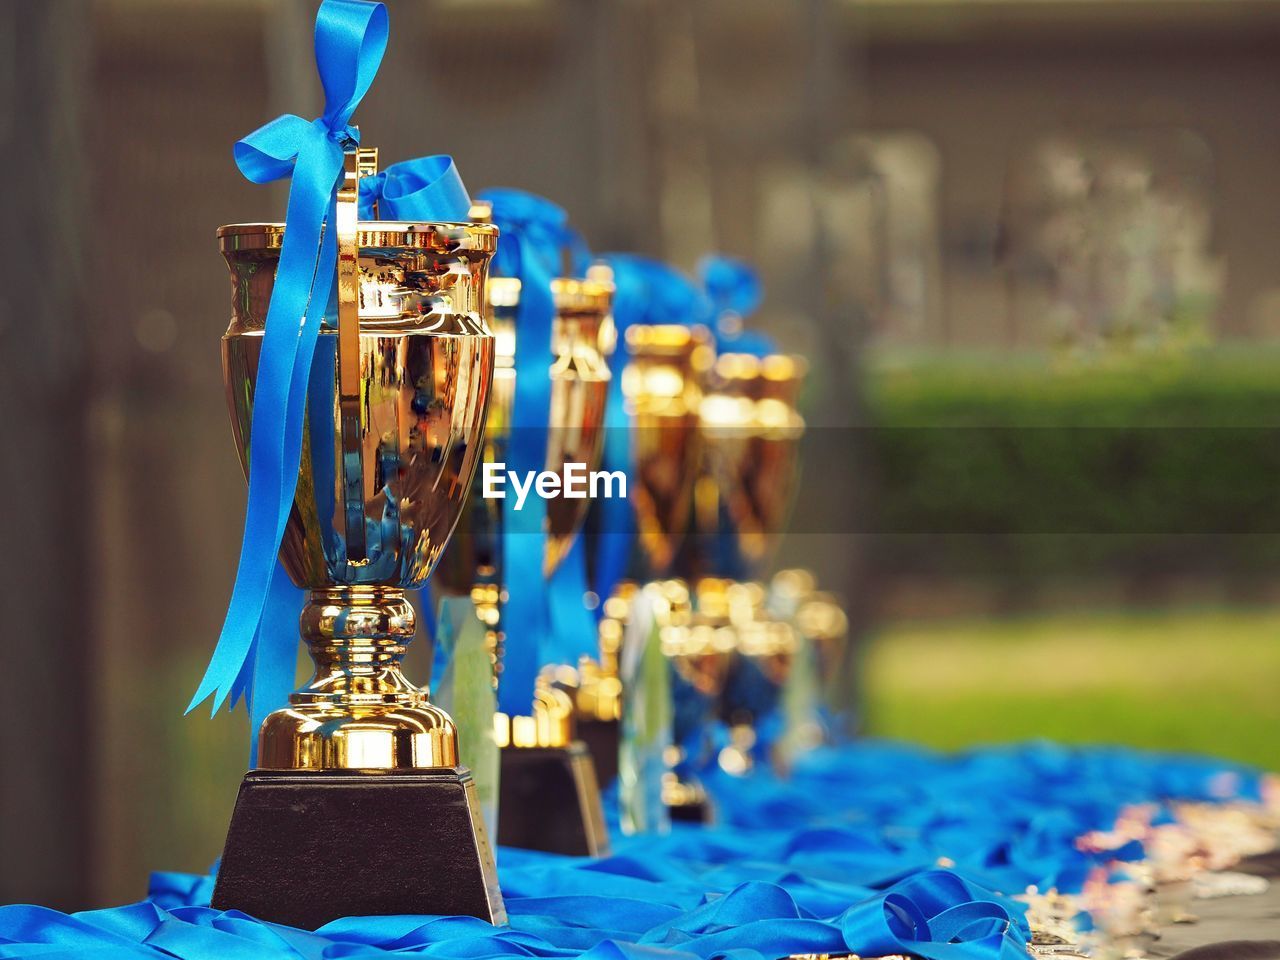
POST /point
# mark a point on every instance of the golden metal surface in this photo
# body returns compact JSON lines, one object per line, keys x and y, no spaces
{"x":348,"y":296}
{"x":597,"y":687}
{"x":582,"y":340}
{"x":662,"y":385}
{"x":752,"y":430}
{"x":597,"y":690}
{"x":423,"y":358}
{"x":550,"y":724}
{"x":682,"y":793}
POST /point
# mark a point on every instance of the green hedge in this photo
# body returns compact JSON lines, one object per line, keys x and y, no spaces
{"x":1011,"y":466}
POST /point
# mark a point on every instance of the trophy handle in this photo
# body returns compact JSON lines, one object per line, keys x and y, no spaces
{"x":358,"y":162}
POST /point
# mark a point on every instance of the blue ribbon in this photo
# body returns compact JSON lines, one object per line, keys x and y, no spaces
{"x":735,"y":291}
{"x":533,"y":236}
{"x":425,"y":189}
{"x":733,"y":285}
{"x":250,"y":657}
{"x":574,"y":630}
{"x":839,"y":859}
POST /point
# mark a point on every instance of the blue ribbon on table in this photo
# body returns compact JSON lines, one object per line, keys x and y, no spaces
{"x":256,"y":650}
{"x":534,"y":234}
{"x":735,"y":291}
{"x":840,"y":858}
{"x":936,"y":915}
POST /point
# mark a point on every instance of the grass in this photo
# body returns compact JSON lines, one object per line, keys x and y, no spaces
{"x":1205,"y":681}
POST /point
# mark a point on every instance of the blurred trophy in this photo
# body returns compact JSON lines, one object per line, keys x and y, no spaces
{"x":662,"y":383}
{"x":700,"y":649}
{"x":752,"y":428}
{"x":359,"y":805}
{"x":548,"y":794}
{"x":819,"y":685}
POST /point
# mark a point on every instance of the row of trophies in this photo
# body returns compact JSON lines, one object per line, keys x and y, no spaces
{"x":360,"y":802}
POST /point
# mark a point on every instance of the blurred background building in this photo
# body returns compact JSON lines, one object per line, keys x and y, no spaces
{"x":1032,"y":248}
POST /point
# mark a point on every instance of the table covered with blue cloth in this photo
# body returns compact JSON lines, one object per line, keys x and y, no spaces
{"x":842,"y":856}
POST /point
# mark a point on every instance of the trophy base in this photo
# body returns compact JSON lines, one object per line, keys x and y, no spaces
{"x":699,"y":810}
{"x":548,"y":800}
{"x":687,"y":801}
{"x":602,"y":738}
{"x":307,"y":847}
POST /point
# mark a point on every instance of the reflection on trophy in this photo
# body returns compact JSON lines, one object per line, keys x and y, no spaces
{"x":549,"y":799}
{"x":359,"y":805}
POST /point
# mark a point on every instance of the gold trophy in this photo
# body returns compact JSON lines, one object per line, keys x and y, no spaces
{"x":700,"y":647}
{"x":823,"y":630}
{"x":358,"y":805}
{"x":662,"y":383}
{"x":548,"y":794}
{"x":752,"y":430}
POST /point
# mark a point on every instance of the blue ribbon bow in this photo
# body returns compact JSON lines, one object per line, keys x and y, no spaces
{"x":256,"y":651}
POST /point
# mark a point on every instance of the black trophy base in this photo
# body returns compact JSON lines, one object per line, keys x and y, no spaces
{"x":687,"y":802}
{"x":602,"y":738}
{"x":307,"y":847}
{"x":696,"y":810}
{"x":548,"y":800}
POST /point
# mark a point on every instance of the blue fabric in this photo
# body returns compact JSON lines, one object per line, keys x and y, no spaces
{"x":350,"y":38}
{"x":839,"y":858}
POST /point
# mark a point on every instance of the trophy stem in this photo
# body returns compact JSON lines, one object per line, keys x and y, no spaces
{"x":358,"y":712}
{"x":357,"y":638}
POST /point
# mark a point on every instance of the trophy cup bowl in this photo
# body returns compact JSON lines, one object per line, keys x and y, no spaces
{"x":752,"y":430}
{"x":663,"y":387}
{"x":357,"y":540}
{"x":582,"y":340}
{"x":358,"y":805}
